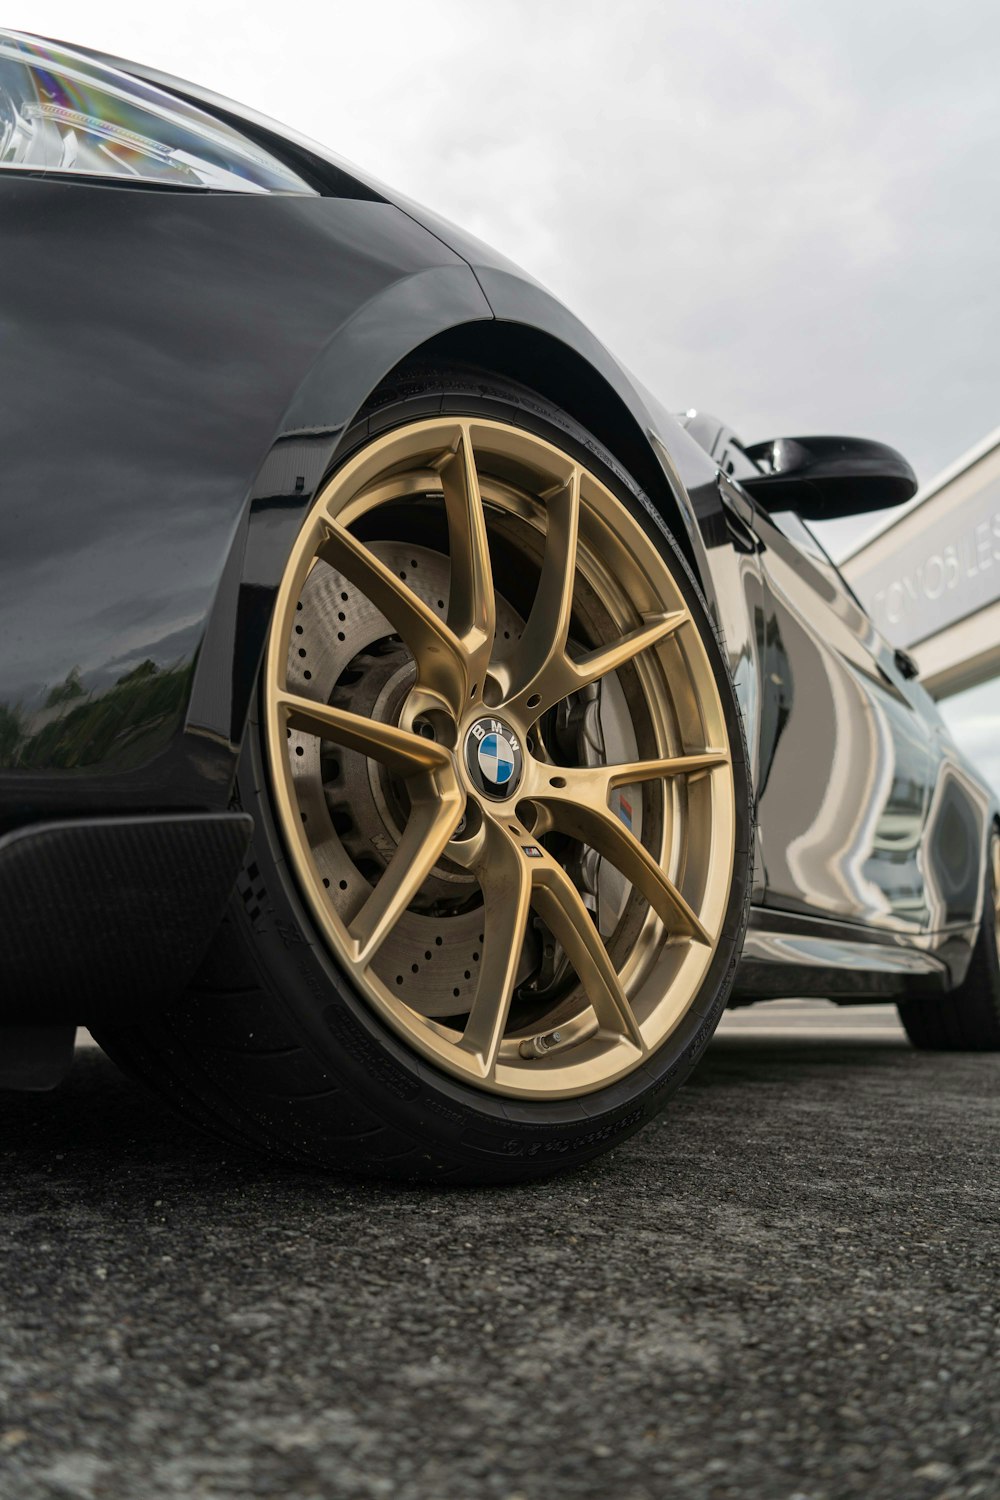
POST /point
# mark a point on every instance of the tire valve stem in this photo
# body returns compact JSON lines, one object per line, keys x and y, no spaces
{"x":537,"y":1046}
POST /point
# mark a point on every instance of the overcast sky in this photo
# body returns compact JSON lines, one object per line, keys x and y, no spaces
{"x":783,"y":213}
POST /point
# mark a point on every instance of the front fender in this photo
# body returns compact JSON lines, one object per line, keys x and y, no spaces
{"x":355,"y":360}
{"x":163,"y":355}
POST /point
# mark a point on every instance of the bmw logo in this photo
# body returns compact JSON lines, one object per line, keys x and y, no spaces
{"x":493,"y":758}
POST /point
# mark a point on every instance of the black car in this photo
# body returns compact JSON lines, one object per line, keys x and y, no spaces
{"x":412,"y":736}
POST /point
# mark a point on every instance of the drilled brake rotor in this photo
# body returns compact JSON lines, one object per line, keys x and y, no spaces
{"x":346,"y":651}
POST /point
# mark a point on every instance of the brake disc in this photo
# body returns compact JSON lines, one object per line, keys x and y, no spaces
{"x":345,"y":651}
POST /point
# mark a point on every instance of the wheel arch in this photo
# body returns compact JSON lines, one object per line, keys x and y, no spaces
{"x":561,"y":374}
{"x":437,"y":314}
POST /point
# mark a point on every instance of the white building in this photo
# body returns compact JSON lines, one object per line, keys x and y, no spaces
{"x":930,"y":579}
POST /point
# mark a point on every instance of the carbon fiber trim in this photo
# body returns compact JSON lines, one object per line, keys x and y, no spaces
{"x":102,"y":918}
{"x":34,"y":1059}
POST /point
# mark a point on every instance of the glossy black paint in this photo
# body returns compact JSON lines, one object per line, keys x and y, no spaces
{"x":176,"y":370}
{"x":860,"y":789}
{"x":825,"y":477}
{"x":179,"y":370}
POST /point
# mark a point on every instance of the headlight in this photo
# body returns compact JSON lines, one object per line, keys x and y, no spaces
{"x":63,"y":112}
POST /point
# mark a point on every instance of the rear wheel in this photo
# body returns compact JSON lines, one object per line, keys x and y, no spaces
{"x":500,"y":873}
{"x":967,"y":1020}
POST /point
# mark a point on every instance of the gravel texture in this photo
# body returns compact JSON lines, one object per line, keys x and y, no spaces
{"x":785,"y":1288}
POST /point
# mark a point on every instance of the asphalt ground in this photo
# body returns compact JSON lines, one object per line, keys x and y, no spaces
{"x":784,"y":1288}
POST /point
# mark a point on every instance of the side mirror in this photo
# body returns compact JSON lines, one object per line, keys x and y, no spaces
{"x":823,"y":478}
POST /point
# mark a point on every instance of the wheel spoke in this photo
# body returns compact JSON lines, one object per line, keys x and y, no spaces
{"x":594,"y":784}
{"x":436,"y":808}
{"x":560,"y":905}
{"x":505,"y":880}
{"x":543,"y":642}
{"x":561,"y":674}
{"x":407,"y":754}
{"x":471,"y":602}
{"x":441,"y":662}
{"x":595,"y":664}
{"x":595,"y":824}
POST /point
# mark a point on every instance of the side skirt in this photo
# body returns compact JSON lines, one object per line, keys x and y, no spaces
{"x":787,"y":956}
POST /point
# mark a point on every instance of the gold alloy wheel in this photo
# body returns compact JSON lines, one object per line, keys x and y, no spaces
{"x":499,"y":757}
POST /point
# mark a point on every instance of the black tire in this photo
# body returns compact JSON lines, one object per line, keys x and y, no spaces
{"x":968,"y":1019}
{"x":271,"y":1046}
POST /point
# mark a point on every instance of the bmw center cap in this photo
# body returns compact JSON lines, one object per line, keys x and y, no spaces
{"x":493,"y":758}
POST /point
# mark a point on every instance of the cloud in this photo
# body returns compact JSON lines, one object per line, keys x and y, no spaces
{"x":784,"y":213}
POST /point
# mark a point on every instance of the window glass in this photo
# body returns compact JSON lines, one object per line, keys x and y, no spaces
{"x":791,"y":525}
{"x":973,"y":716}
{"x":63,"y":112}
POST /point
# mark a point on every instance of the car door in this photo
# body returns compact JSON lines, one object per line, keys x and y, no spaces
{"x":845,"y":764}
